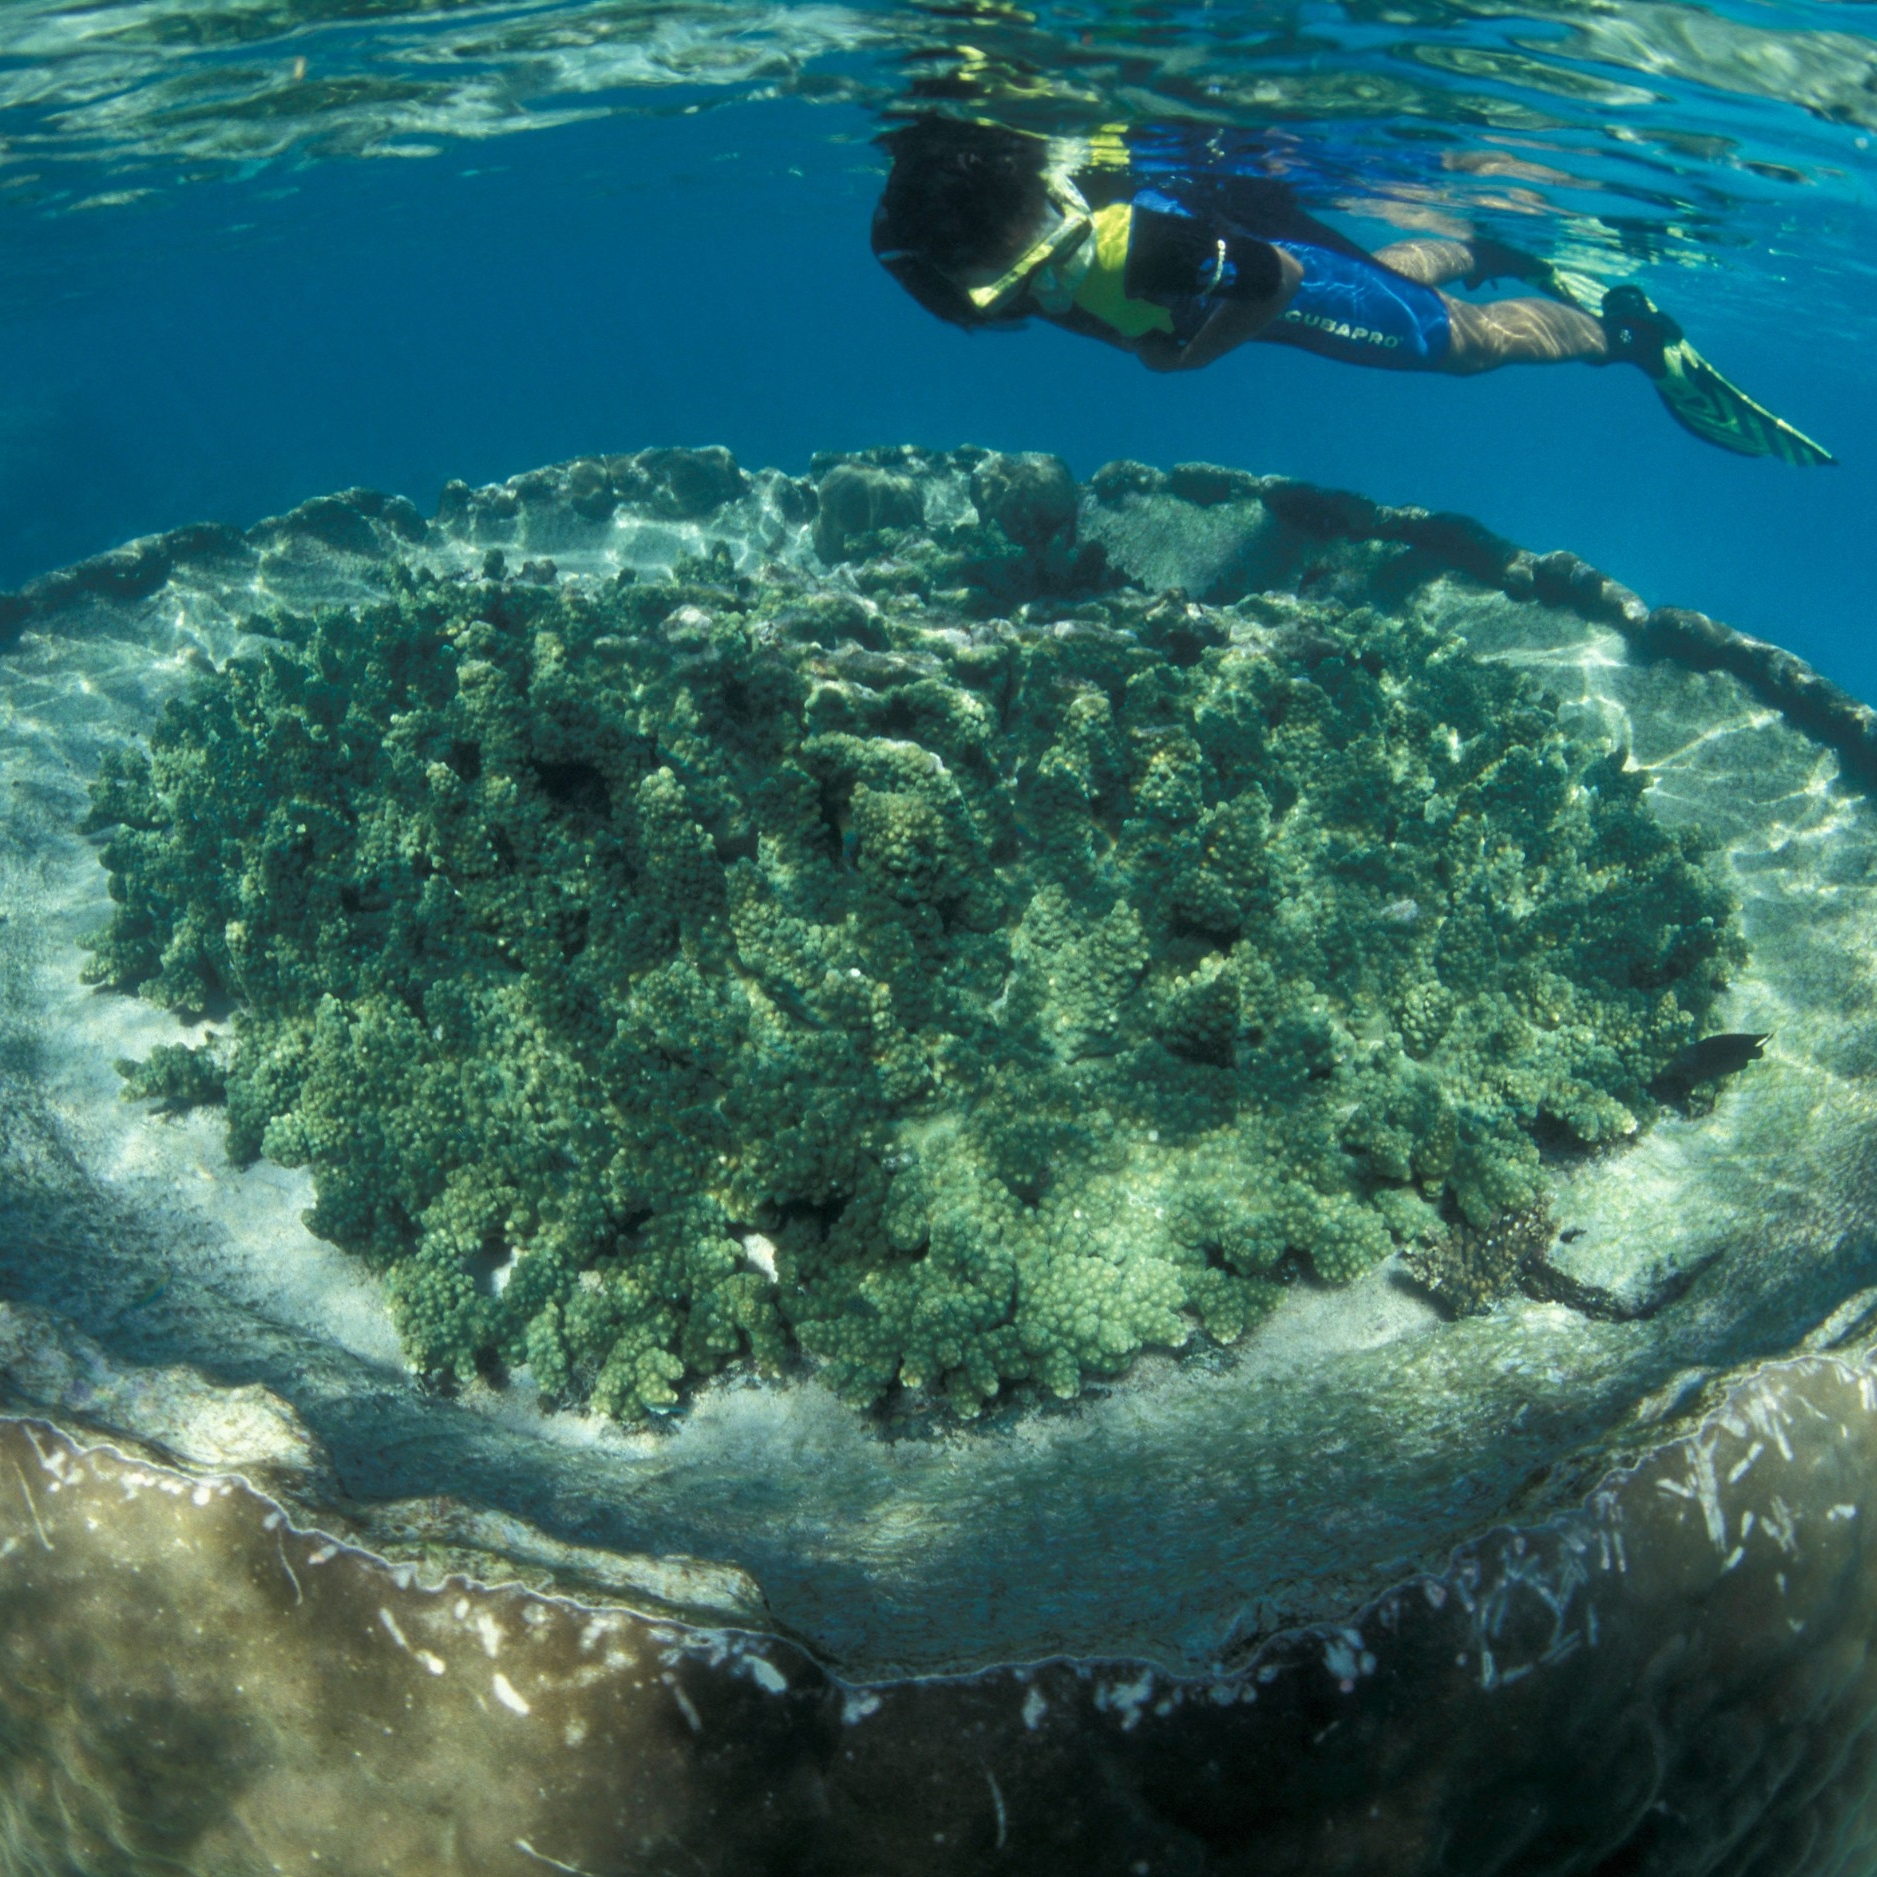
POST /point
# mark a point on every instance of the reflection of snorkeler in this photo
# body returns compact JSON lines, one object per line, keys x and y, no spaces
{"x":1168,"y":243}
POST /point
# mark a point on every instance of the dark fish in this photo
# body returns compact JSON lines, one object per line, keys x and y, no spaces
{"x":1707,"y":1061}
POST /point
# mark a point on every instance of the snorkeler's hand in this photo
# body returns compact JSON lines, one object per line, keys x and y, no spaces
{"x":1158,"y":352}
{"x":1230,"y":324}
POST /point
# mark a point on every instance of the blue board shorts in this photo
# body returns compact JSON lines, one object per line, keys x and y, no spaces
{"x":1352,"y":308}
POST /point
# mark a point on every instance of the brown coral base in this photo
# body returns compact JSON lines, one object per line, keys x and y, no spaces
{"x":1678,"y":1678}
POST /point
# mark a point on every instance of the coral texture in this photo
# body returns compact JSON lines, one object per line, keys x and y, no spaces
{"x":955,"y":968}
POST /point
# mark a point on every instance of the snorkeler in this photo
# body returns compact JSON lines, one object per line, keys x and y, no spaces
{"x":1169,"y":243}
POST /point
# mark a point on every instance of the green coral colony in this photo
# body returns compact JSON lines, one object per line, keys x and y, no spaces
{"x":960,"y":970}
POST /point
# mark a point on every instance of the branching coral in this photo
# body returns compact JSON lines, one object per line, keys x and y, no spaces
{"x":1038,"y":991}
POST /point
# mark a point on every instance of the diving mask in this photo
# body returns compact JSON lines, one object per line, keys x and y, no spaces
{"x":1057,"y":245}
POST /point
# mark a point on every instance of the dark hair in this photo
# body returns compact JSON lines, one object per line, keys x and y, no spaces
{"x":957,"y":196}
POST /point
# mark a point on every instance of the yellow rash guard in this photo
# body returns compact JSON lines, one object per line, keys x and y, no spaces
{"x":1103,"y":289}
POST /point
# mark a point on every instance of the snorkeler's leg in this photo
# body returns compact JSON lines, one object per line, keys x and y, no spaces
{"x":1475,"y":261}
{"x":1520,"y":332}
{"x":1630,"y":330}
{"x":1428,"y":263}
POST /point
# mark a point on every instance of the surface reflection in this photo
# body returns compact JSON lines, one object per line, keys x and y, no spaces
{"x":1654,"y":130}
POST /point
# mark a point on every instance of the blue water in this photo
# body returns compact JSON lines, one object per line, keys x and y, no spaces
{"x":245,"y":335}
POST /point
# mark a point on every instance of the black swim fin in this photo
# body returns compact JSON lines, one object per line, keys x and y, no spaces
{"x":1697,"y":396}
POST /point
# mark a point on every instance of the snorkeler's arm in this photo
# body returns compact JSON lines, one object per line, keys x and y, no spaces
{"x":1230,"y":324}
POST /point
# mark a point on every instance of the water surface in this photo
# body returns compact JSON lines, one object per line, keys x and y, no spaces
{"x":258,"y":251}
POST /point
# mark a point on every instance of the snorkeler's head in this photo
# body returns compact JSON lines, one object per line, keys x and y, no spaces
{"x":961,"y":196}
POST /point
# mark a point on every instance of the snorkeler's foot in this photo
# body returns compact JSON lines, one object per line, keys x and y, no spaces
{"x":1499,"y":260}
{"x":1637,"y":332}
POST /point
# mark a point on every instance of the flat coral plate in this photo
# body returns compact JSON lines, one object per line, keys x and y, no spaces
{"x":1191,"y":1505}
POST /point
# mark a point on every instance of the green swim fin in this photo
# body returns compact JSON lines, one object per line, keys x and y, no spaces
{"x":1701,"y":400}
{"x":1697,"y":396}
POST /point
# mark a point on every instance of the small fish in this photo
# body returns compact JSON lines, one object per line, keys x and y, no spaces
{"x":149,"y":1297}
{"x":1708,"y":1061}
